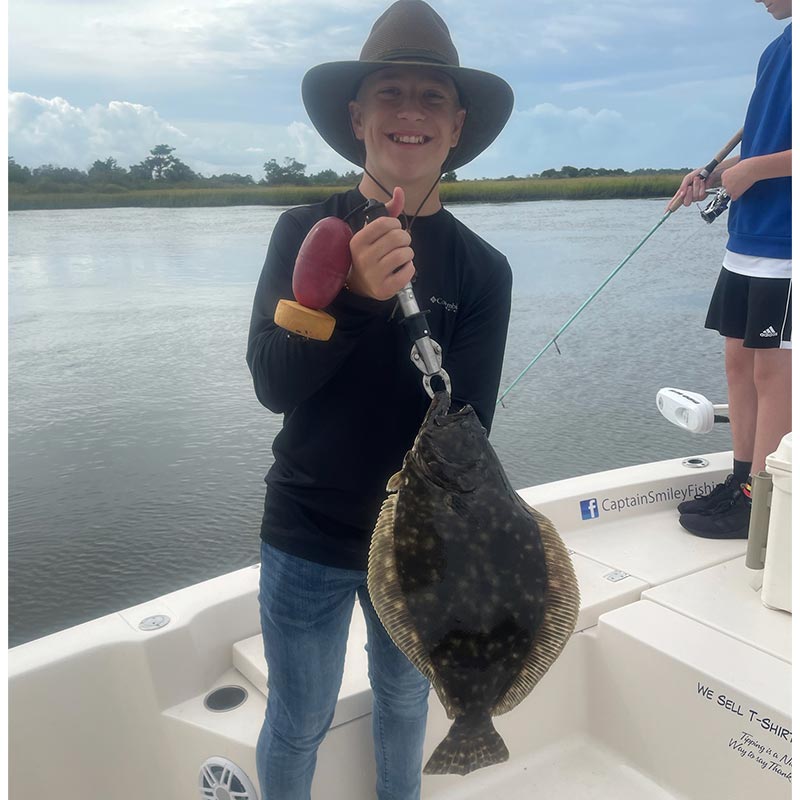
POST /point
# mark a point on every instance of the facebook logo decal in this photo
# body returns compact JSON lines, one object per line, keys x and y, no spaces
{"x":589,"y":509}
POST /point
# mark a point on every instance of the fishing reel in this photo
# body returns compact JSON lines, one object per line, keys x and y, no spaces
{"x":717,"y":206}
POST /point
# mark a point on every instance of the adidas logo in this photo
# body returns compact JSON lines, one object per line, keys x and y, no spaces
{"x":769,"y":332}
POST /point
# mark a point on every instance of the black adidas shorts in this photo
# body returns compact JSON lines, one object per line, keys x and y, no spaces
{"x":758,"y":310}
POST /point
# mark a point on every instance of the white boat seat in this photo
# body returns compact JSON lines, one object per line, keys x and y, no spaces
{"x":602,"y":588}
{"x":722,"y":598}
{"x":355,"y":694}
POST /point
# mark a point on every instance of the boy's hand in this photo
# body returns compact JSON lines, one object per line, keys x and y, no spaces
{"x":382,"y":255}
{"x":692,"y":189}
{"x":739,"y":178}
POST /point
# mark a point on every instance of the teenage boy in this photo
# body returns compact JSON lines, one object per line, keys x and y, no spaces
{"x":752,"y":302}
{"x":405,"y":112}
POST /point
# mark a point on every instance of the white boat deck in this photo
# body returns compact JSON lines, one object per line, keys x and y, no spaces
{"x":676,"y":683}
{"x":722,"y":599}
{"x":578,"y":767}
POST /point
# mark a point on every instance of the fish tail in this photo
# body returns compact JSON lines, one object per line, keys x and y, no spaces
{"x":469,"y":745}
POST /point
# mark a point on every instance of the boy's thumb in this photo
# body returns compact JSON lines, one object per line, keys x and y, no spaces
{"x":395,"y":206}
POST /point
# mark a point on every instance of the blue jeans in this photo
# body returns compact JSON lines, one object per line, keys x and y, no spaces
{"x":305,"y":618}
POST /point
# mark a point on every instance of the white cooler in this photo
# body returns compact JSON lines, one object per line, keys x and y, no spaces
{"x":777,"y":588}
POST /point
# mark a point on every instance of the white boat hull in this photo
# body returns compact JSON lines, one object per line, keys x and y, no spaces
{"x":676,"y":683}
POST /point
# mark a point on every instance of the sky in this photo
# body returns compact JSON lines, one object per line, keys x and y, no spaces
{"x":598,"y":83}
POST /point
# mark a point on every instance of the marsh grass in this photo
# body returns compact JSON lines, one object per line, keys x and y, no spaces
{"x":561,"y":189}
{"x":483,"y":191}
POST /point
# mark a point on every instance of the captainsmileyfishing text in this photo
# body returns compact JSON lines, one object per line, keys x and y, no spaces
{"x":669,"y":495}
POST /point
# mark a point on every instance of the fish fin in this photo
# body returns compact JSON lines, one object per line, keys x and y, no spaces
{"x":390,"y":604}
{"x":469,"y":745}
{"x":561,"y":614}
{"x":393,"y":484}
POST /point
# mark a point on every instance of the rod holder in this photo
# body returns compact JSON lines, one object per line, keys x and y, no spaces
{"x":759,"y":521}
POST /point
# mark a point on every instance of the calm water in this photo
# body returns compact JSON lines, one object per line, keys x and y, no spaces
{"x":138,"y":449}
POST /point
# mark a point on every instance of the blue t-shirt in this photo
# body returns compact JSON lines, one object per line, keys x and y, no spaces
{"x":760,"y":221}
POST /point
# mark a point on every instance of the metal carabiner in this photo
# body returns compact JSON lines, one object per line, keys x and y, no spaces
{"x":426,"y":382}
{"x":426,"y":355}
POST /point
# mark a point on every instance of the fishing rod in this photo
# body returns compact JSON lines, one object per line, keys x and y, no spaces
{"x":719,"y":204}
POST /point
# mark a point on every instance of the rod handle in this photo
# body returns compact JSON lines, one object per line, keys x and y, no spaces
{"x":677,"y":201}
{"x":723,"y":153}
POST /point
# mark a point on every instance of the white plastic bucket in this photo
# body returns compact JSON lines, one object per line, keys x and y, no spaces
{"x":777,"y":588}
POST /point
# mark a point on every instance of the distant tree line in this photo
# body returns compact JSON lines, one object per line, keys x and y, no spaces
{"x":595,"y":172}
{"x":162,"y":169}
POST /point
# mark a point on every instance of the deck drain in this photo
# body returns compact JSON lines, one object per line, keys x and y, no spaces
{"x":226,"y":698}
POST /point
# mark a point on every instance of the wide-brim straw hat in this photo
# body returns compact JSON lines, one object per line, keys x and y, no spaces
{"x":408,"y":33}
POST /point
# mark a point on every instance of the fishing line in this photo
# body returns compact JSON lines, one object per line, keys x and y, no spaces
{"x":673,"y":206}
{"x":583,"y":305}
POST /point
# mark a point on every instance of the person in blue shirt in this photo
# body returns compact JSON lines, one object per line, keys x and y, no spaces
{"x":752,"y":302}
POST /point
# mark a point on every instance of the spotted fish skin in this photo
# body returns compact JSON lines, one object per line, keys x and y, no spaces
{"x":472,"y":584}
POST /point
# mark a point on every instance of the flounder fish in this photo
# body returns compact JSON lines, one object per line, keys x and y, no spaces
{"x":473,"y":585}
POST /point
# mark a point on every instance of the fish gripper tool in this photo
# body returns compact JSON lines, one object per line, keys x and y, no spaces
{"x":426,"y":353}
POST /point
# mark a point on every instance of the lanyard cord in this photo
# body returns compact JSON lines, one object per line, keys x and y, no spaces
{"x":410,"y":223}
{"x":424,"y":199}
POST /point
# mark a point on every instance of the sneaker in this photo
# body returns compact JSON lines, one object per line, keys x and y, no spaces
{"x":704,"y":502}
{"x":729,"y":519}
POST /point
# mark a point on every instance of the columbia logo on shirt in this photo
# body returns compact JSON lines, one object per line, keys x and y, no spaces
{"x":769,"y":332}
{"x":447,"y":306}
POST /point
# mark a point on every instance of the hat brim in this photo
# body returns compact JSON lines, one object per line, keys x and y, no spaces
{"x":328,"y":88}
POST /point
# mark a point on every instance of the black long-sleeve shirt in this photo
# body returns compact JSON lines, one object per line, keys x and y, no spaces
{"x":353,"y":405}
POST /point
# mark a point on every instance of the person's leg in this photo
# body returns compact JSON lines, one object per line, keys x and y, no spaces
{"x":399,"y":712}
{"x":728,"y":517}
{"x":773,"y":382}
{"x":754,"y":314}
{"x":305,"y":619}
{"x":727,"y":314}
{"x":742,"y":397}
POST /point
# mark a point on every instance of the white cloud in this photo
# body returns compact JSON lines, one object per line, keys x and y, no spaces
{"x":180,"y":42}
{"x":549,"y":136}
{"x":591,"y":84}
{"x":52,"y":130}
{"x":312,"y":150}
{"x":220,"y":79}
{"x":556,"y":136}
{"x":573,"y":116}
{"x":506,"y":34}
{"x":240,"y":147}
